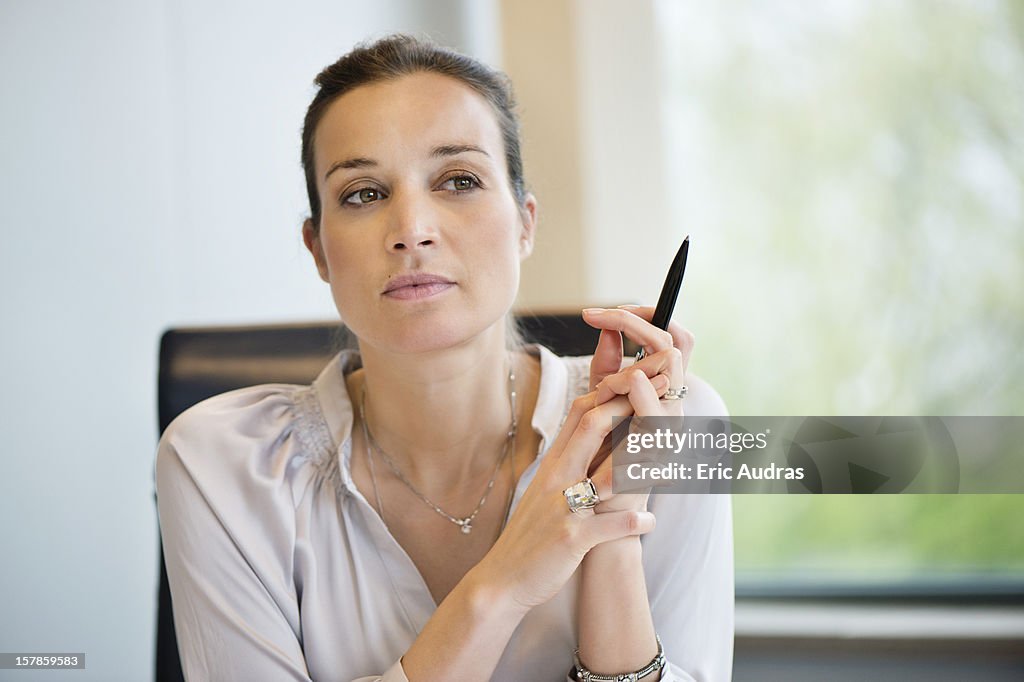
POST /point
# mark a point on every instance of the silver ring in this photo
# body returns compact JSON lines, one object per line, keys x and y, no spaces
{"x":582,"y":495}
{"x":675,"y":393}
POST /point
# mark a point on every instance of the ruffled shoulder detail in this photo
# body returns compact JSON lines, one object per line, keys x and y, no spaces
{"x":578,"y":368}
{"x":245,"y":439}
{"x":315,"y":439}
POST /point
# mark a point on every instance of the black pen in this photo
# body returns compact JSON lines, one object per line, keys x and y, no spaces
{"x":669,"y":292}
{"x":662,"y":317}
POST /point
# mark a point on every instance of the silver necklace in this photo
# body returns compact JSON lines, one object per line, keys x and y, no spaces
{"x":465,"y":523}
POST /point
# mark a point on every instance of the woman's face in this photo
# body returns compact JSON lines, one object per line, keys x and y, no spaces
{"x":420,"y":236}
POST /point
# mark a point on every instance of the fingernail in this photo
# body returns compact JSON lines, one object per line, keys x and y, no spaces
{"x":593,"y":311}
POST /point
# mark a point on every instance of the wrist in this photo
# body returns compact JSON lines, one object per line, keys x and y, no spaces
{"x":651,"y":672}
{"x":491,"y":599}
{"x":621,"y":551}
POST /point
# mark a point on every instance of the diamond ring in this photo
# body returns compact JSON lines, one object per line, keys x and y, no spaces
{"x":582,"y":495}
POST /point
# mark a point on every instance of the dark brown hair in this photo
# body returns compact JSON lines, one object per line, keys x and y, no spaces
{"x":399,"y":55}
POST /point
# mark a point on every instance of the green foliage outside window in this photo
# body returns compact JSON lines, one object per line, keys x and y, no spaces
{"x":853,"y":176}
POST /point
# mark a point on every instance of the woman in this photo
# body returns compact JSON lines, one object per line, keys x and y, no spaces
{"x":404,"y":517}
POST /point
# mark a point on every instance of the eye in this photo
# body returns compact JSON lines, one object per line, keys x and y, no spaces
{"x":460,"y":183}
{"x":363,"y":195}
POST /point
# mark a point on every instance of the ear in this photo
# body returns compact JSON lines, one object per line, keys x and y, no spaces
{"x":528,"y":216}
{"x":311,"y":239}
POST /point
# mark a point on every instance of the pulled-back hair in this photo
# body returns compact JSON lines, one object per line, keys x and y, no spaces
{"x":399,"y":55}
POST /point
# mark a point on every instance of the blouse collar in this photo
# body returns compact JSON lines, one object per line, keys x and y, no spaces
{"x":336,"y":403}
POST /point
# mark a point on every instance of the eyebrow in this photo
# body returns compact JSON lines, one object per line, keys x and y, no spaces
{"x":440,"y":151}
{"x":453,"y":149}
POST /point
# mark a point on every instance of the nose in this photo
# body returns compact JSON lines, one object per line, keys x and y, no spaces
{"x":412,"y":223}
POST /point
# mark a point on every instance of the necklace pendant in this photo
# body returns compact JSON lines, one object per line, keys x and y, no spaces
{"x":465,"y":524}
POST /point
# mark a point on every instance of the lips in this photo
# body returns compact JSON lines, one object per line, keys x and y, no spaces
{"x":417,"y":285}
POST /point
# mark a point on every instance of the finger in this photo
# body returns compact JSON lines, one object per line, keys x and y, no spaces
{"x":603,"y":480}
{"x":645,"y":400}
{"x":580,"y":406}
{"x":644,"y":396}
{"x":586,"y":439}
{"x":634,"y":383}
{"x":609,"y":472}
{"x":602,"y":454}
{"x":667,"y":363}
{"x":607,"y":356}
{"x":682,"y":338}
{"x":619,"y":384}
{"x":636,"y":328}
{"x":598,"y":528}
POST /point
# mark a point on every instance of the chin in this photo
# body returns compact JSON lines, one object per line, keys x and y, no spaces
{"x":426,"y":336}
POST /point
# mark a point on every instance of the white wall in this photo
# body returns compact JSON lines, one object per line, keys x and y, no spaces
{"x":149,"y":177}
{"x":631,"y":236}
{"x":592,"y":95}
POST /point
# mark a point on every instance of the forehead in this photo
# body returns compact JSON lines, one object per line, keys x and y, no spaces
{"x":403,"y":117}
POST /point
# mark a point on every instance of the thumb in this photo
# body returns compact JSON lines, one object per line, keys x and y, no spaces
{"x":607,"y":356}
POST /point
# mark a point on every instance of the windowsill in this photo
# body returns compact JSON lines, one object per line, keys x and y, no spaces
{"x":828,"y":620}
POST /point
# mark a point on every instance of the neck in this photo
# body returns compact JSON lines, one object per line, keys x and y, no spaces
{"x":443,"y":416}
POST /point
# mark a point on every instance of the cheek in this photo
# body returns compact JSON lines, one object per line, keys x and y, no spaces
{"x":339,"y":260}
{"x":348,"y":271}
{"x":497,"y":231}
{"x":493,"y":253}
{"x":500,"y":258}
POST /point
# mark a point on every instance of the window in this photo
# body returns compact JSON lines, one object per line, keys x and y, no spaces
{"x":855,"y":170}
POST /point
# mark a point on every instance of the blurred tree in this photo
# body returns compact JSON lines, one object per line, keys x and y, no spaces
{"x":856,"y":172}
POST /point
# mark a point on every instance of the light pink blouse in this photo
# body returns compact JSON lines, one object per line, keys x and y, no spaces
{"x":281,"y":570}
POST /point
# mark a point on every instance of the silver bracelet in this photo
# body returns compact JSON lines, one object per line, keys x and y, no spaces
{"x":657,"y":663}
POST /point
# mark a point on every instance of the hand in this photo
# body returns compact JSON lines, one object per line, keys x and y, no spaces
{"x":544,"y":542}
{"x":643,"y":383}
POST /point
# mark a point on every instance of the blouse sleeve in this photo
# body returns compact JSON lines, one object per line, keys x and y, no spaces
{"x":692,"y":599}
{"x":688,"y":564}
{"x":227,"y":473}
